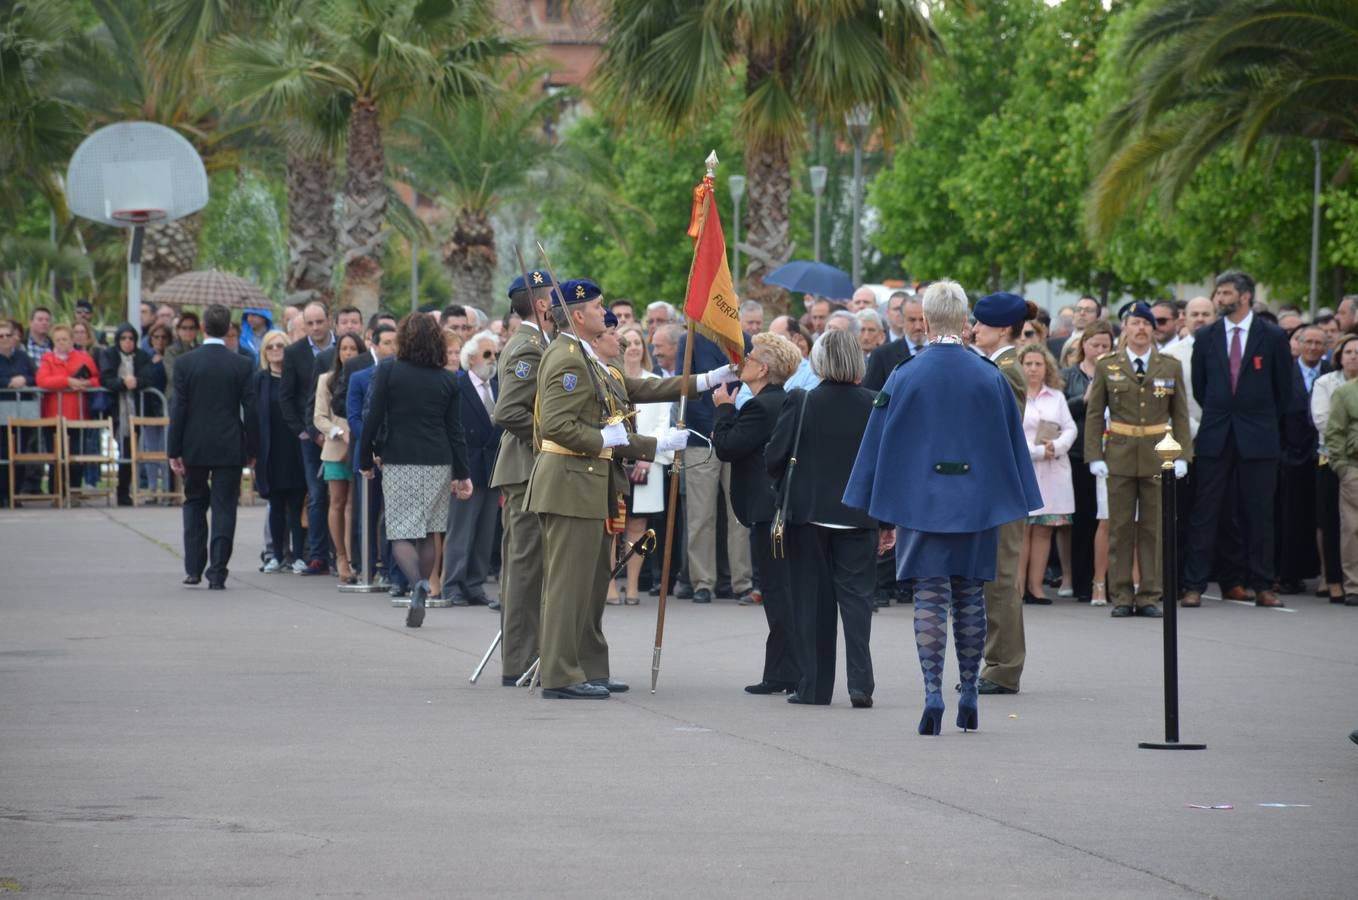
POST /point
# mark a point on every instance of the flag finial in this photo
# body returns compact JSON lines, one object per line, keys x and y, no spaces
{"x":711,"y":162}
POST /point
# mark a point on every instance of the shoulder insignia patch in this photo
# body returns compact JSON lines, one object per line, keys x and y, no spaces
{"x":523,"y":369}
{"x":882,"y":399}
{"x":568,"y":381}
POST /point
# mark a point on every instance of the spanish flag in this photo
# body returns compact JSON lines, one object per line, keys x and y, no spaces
{"x":712,"y":304}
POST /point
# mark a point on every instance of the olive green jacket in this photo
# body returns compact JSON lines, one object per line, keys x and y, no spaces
{"x":518,"y":373}
{"x":1008,"y":363}
{"x":569,"y":414}
{"x":1341,"y":431}
{"x":1161,"y":396}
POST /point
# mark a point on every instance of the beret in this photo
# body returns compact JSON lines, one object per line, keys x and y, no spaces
{"x":610,"y":320}
{"x":1001,"y":310}
{"x":536,"y":277}
{"x":1141,"y":310}
{"x":578,"y":290}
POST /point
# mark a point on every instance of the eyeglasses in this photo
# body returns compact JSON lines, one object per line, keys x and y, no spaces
{"x":275,"y":346}
{"x":127,"y":337}
{"x":188,"y":326}
{"x":489,"y":354}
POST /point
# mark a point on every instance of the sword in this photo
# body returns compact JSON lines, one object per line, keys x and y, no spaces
{"x":643,"y":546}
{"x":480,"y":667}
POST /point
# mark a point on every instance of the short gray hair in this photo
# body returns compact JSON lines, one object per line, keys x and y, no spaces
{"x":869,"y":315}
{"x":751,"y":306}
{"x":837,"y":357}
{"x":844,"y":315}
{"x":945,"y":307}
{"x":661,"y":305}
{"x":473,"y":345}
{"x":671,"y":331}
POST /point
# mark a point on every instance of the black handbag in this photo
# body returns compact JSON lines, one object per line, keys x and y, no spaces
{"x":777,"y":529}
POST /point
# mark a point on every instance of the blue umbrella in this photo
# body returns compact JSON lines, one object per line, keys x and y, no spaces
{"x":805,"y":277}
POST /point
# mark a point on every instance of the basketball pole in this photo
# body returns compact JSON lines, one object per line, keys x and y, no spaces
{"x":134,"y":274}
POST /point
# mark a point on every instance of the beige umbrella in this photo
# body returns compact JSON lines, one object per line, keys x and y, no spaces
{"x":200,"y":289}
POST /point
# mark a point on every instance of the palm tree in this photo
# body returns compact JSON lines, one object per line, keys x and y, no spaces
{"x":379,"y":58}
{"x":473,"y":161}
{"x":800,"y":59}
{"x":1208,"y":73}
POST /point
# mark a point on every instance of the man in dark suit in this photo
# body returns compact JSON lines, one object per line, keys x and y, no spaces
{"x":297,"y":397}
{"x":1297,"y":557}
{"x":888,"y":356}
{"x":471,"y":523}
{"x":213,"y":433}
{"x":1242,"y":378}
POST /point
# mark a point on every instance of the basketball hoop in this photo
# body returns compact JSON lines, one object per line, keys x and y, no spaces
{"x":137,"y":216}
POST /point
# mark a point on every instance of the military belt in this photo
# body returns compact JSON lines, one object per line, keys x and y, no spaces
{"x":554,"y":447}
{"x":1127,"y":430}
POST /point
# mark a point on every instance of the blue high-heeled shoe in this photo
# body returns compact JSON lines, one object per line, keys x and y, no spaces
{"x":932,"y":720}
{"x":967,"y":716}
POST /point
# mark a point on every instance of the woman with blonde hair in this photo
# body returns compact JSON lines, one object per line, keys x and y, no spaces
{"x":279,"y":477}
{"x":648,"y":481}
{"x":1050,"y":431}
{"x":1088,"y":553}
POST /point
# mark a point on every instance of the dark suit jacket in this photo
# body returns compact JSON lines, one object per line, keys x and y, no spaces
{"x":212,"y":415}
{"x":739,"y":437}
{"x":356,"y":406}
{"x":835,"y":419}
{"x":1247,"y":422}
{"x":420,"y":411}
{"x":483,"y":435}
{"x":701,"y":412}
{"x":1301,"y":442}
{"x":883,"y":360}
{"x":297,"y":393}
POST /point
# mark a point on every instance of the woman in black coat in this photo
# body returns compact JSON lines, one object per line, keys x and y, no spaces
{"x":124,"y":371}
{"x":831,"y":548}
{"x":739,"y":437}
{"x":279,"y":476}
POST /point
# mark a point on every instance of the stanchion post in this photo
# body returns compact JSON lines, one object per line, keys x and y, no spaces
{"x":1169,"y":450}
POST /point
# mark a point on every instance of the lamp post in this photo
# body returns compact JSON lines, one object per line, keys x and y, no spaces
{"x":819,"y":174}
{"x":736,"y":184}
{"x":1315,"y":235}
{"x":857,"y":120}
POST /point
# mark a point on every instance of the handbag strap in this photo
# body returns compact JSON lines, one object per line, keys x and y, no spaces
{"x":792,"y":462}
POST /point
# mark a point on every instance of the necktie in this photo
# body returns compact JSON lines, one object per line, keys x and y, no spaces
{"x":487,"y":399}
{"x":1140,"y":369}
{"x":1235,"y":357}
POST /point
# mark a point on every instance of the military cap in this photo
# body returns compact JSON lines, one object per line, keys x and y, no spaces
{"x":577,"y":290}
{"x":1001,"y":310}
{"x":610,"y":320}
{"x":536,"y":278}
{"x":1141,"y":310}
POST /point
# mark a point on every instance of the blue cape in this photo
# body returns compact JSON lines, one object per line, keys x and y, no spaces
{"x":944,"y":450}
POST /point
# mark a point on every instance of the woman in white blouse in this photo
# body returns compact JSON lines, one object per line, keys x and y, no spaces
{"x":1327,"y":485}
{"x":648,"y":480}
{"x":1050,"y":431}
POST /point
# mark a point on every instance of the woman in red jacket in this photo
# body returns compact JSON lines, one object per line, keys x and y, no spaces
{"x":70,"y":371}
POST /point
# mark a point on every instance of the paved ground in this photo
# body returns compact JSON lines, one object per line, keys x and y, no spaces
{"x":283,"y":739}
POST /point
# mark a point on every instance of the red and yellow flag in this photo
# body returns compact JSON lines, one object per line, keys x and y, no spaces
{"x":712,"y":304}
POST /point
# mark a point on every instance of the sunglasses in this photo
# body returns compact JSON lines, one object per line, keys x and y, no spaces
{"x":489,"y":354}
{"x":1162,"y":320}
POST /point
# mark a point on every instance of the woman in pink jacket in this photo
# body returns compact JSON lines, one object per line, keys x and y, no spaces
{"x":1050,"y":432}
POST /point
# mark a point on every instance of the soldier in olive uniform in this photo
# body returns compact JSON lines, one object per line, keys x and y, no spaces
{"x":521,"y":545}
{"x":575,"y":489}
{"x":999,"y":322}
{"x":1145,"y":396}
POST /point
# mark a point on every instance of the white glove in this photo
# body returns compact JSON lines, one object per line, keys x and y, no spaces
{"x":1180,"y":468}
{"x":1099,"y":469}
{"x":673,"y":439}
{"x":614,"y":435}
{"x":709,"y":380}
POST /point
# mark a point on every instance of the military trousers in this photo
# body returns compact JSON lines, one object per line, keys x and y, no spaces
{"x":520,"y":582}
{"x":1134,"y":528}
{"x":574,"y":583}
{"x":1005,"y":649}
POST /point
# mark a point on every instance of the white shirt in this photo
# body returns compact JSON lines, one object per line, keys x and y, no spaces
{"x":1244,"y":326}
{"x":1182,"y":350}
{"x":213,"y":340}
{"x":1145,"y":360}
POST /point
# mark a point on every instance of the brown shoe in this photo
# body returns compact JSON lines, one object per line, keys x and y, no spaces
{"x":1191,"y":598}
{"x":1267,"y":598}
{"x":1238,"y":593}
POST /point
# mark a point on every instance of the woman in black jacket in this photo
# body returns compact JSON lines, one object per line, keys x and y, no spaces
{"x":416,"y":407}
{"x":124,"y":371}
{"x":831,"y":548}
{"x":279,"y":476}
{"x":739,"y":437}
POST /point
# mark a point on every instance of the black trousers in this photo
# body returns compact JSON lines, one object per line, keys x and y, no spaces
{"x":218,"y":488}
{"x":1327,"y":514}
{"x":1297,"y":558}
{"x":780,"y":659}
{"x":1082,"y":529}
{"x":1245,"y":486}
{"x":831,"y":568}
{"x":285,"y":523}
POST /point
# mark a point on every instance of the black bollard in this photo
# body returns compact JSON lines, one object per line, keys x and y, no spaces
{"x":1169,"y":450}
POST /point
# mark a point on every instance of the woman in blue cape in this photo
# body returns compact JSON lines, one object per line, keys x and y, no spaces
{"x":944,"y":459}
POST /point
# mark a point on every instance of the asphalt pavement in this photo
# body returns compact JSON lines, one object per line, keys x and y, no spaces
{"x":282,"y":739}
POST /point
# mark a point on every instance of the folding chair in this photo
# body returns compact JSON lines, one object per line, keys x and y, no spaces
{"x":141,"y":455}
{"x":15,"y":428}
{"x":72,"y":454}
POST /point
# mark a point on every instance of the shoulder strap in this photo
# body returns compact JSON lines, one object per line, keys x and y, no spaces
{"x":796,"y":444}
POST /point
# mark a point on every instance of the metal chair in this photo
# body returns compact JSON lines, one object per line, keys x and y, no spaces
{"x":72,"y":455}
{"x":14,"y":431}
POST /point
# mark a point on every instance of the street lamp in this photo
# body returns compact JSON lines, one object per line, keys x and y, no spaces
{"x":736,"y":184}
{"x":1315,"y":235}
{"x":857,"y":121}
{"x":819,"y":174}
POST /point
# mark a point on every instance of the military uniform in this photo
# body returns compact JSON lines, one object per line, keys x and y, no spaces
{"x":1141,"y":408}
{"x":1005,"y":647}
{"x":521,"y":544}
{"x":575,"y":486}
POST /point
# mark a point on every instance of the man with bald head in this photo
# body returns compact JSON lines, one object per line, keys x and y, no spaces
{"x":299,"y":362}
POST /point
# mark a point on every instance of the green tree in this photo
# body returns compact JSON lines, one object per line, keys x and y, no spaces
{"x":803,"y":60}
{"x":381,"y":58}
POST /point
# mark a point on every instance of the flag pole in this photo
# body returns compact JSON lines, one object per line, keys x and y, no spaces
{"x":666,"y":558}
